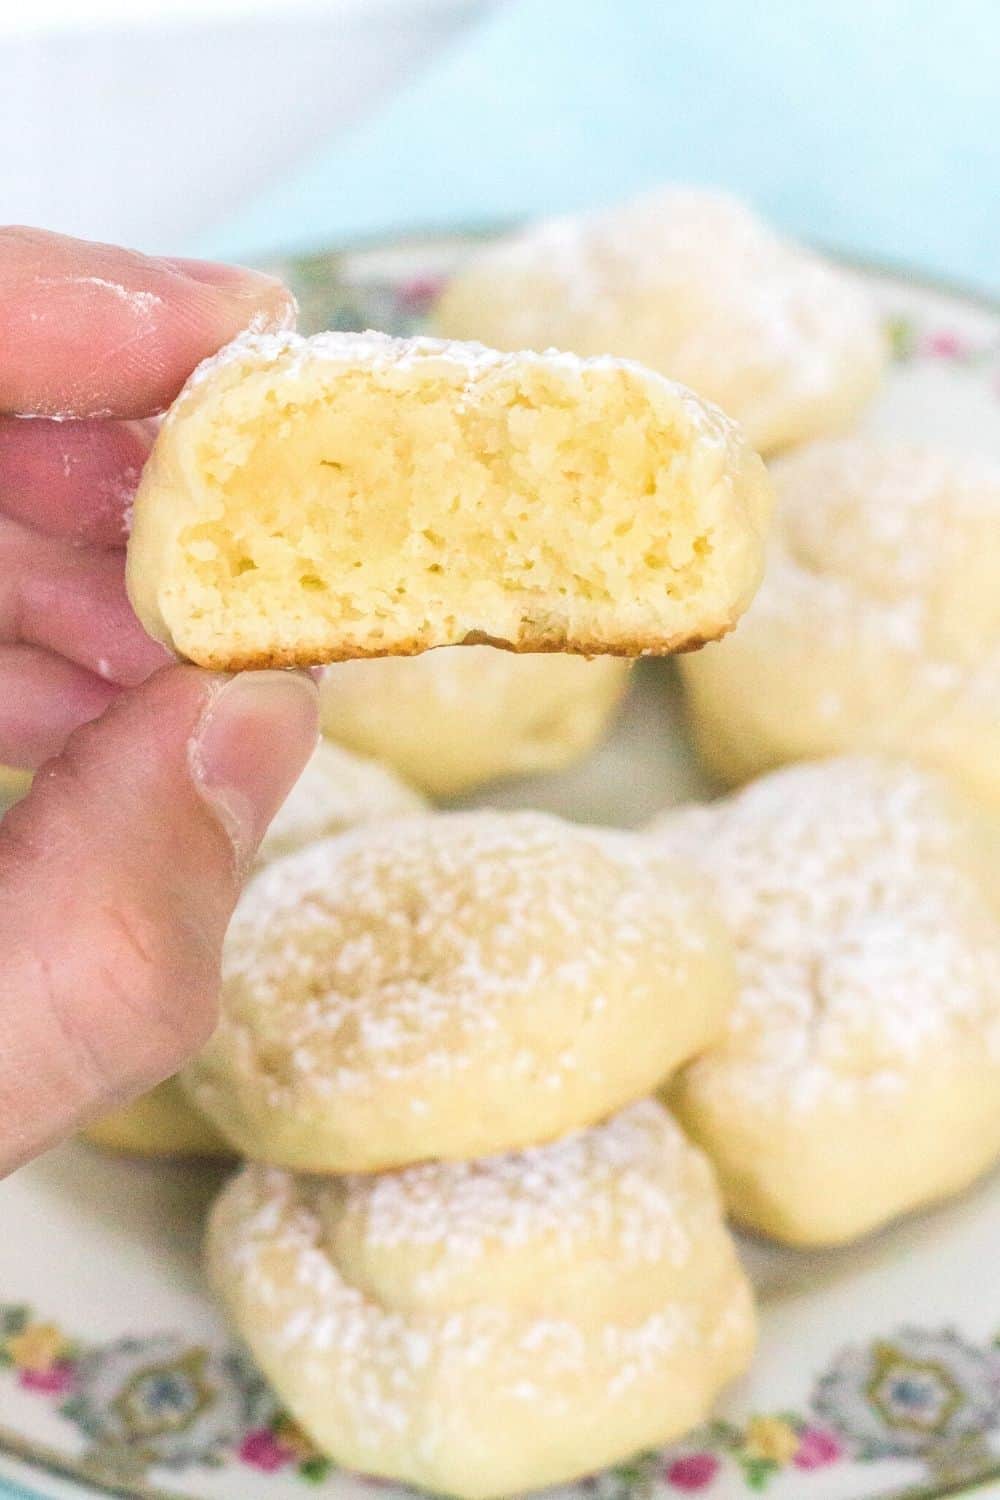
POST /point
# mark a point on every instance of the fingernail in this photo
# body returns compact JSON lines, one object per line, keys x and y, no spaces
{"x":254,"y":736}
{"x":271,"y":307}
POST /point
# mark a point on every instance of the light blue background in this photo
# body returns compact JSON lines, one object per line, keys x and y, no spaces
{"x":872,"y":126}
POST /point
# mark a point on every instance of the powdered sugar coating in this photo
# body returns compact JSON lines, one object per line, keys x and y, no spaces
{"x":900,"y":532}
{"x":688,"y":281}
{"x":482,"y":881}
{"x":455,"y":984}
{"x":857,"y":894}
{"x":269,"y":1209}
{"x":461,"y":1394}
{"x":383,"y":354}
{"x":624,"y":1178}
{"x":877,"y":625}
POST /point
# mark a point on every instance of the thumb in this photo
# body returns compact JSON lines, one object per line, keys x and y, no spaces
{"x":118,"y":876}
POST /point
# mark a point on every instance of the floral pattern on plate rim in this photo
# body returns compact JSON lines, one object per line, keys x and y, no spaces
{"x":161,"y":1402}
{"x":330,"y":296}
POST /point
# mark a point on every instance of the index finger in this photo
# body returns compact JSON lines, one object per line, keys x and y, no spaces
{"x":89,"y":330}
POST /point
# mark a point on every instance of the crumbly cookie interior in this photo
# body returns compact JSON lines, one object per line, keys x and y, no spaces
{"x":383,"y":514}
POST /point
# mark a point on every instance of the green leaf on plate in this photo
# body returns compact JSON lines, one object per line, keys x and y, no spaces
{"x":316,"y":1468}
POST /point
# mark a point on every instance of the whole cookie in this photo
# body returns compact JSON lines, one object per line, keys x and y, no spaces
{"x":452,"y":719}
{"x":484,"y":1328}
{"x":455,"y":984}
{"x":351,"y":495}
{"x":859,"y":1076}
{"x":689,"y":282}
{"x":877,"y":627}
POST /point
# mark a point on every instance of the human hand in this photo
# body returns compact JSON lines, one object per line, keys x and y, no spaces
{"x":120,"y":869}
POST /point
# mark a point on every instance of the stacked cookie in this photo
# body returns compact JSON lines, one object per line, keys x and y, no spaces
{"x":485,"y":1328}
{"x":471,"y":1252}
{"x":877,"y":627}
{"x":859,"y":1074}
{"x":465,"y":1255}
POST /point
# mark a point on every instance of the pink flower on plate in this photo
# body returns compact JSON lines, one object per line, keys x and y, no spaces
{"x":417,"y":294}
{"x":693,"y":1472}
{"x":945,"y":344}
{"x":816,"y":1449}
{"x":262,"y":1450}
{"x":55,"y":1381}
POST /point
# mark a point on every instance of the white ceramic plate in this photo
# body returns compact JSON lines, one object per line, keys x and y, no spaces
{"x":879,"y":1366}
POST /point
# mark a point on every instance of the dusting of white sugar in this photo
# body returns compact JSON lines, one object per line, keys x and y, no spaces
{"x":405,"y":949}
{"x":893,"y":544}
{"x":864,"y":936}
{"x":288,"y":356}
{"x":281,"y":1258}
{"x":141,"y":302}
{"x":621,"y":1182}
{"x":734,"y":299}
